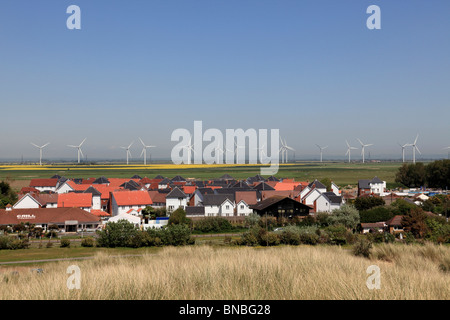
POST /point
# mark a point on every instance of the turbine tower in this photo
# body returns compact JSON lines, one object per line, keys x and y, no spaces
{"x":414,"y":145}
{"x":236,"y":150}
{"x":189,"y":147}
{"x":349,"y":150}
{"x":363,"y":148}
{"x":144,"y":150}
{"x":284,"y":149}
{"x":321,"y":151}
{"x":79,"y":149}
{"x":128,"y":150}
{"x":40,"y":151}
{"x":403,"y":150}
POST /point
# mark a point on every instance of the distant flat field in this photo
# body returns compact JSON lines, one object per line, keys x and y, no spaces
{"x":341,"y":173}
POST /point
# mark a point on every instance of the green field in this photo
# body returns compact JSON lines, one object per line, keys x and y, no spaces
{"x":341,"y":173}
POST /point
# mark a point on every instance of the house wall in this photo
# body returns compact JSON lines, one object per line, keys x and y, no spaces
{"x":173,"y":204}
{"x":26,"y":203}
{"x":43,"y":189}
{"x":243,"y":211}
{"x":64,"y":189}
{"x":96,"y":203}
{"x":227,"y":209}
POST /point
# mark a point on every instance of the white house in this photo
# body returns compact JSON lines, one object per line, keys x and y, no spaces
{"x":327,"y":202}
{"x":176,"y":199}
{"x":27,"y":202}
{"x":123,"y":201}
{"x":128,"y":217}
{"x":96,"y":198}
{"x":245,"y":199}
{"x":219,"y":205}
{"x":44,"y":185}
{"x":374,"y":186}
{"x":335,"y":189}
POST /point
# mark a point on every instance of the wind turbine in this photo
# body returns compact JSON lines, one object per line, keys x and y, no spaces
{"x":363,"y":148}
{"x":218,"y":152}
{"x":349,"y":150}
{"x":40,"y":151}
{"x":79,"y":149}
{"x":321,"y":150}
{"x":144,"y":150}
{"x":189,"y":147}
{"x":415,"y":148}
{"x":128,"y":150}
{"x":285,"y":148}
{"x":261,"y":152}
{"x":403,"y":150}
{"x":236,"y":150}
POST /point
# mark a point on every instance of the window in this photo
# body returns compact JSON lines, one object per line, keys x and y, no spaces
{"x":242,"y":206}
{"x":227,"y":207}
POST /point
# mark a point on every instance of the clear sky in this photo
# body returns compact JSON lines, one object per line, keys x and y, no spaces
{"x":143,"y":68}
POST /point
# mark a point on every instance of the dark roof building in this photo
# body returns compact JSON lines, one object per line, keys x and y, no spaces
{"x":279,"y":206}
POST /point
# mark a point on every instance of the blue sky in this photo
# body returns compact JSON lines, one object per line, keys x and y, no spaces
{"x":145,"y":68}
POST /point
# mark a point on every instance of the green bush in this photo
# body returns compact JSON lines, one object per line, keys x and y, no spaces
{"x":117,"y":234}
{"x":172,"y":235}
{"x":362,"y":248}
{"x":339,"y":235}
{"x":381,"y":237}
{"x":290,"y":236}
{"x":11,"y":243}
{"x":65,"y":243}
{"x":88,"y":242}
{"x":212,"y":224}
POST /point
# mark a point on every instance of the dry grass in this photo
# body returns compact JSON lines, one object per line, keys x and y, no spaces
{"x":281,"y":273}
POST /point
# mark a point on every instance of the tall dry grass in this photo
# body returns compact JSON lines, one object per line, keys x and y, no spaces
{"x":279,"y":273}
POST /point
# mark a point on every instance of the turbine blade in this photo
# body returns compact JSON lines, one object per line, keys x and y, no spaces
{"x":142,"y":142}
{"x":82,"y":142}
{"x":35,"y":145}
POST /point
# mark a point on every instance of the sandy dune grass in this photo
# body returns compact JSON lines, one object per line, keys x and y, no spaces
{"x":203,"y":272}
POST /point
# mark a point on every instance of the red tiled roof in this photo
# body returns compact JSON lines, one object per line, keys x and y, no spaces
{"x":47,"y":198}
{"x":43,"y":182}
{"x":280,"y":186}
{"x":80,"y":200}
{"x":189,"y":189}
{"x":130,"y":198}
{"x":157,"y":197}
{"x":265,"y":194}
{"x":248,"y":196}
{"x":100,"y":213}
{"x":395,"y":221}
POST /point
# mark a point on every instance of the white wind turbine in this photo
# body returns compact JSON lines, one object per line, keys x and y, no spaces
{"x":79,"y":149}
{"x":414,"y":145}
{"x":285,"y":148}
{"x":128,"y":150}
{"x":349,"y":150}
{"x":189,"y":147}
{"x":261,"y":152}
{"x":236,"y":150}
{"x":218,"y":152}
{"x":363,"y":148}
{"x":403,"y":150}
{"x":40,"y":151}
{"x":321,"y":151}
{"x":144,"y":150}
